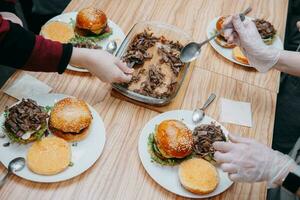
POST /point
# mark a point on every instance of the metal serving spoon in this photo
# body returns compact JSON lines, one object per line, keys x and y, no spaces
{"x":15,"y":165}
{"x":199,"y":114}
{"x":111,"y":46}
{"x":192,"y":50}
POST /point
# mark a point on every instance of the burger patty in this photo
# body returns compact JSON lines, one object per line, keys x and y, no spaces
{"x":54,"y":130}
{"x":25,"y":116}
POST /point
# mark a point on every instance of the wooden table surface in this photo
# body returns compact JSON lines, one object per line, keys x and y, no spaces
{"x":119,"y":174}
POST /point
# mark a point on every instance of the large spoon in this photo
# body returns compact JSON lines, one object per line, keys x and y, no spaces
{"x":199,"y":114}
{"x":192,"y":50}
{"x":15,"y":165}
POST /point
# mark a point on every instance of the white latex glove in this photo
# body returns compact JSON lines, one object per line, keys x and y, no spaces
{"x":249,"y":161}
{"x":245,"y":34}
{"x":11,"y":17}
{"x":102,"y":64}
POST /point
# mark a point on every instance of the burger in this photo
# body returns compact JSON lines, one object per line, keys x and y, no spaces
{"x":26,"y":121}
{"x":171,"y":143}
{"x":221,"y":40}
{"x":266,"y":30}
{"x":92,"y":22}
{"x":70,"y":119}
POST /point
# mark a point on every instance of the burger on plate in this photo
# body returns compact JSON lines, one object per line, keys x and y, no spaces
{"x":171,"y":143}
{"x":92,"y":22}
{"x":26,"y":121}
{"x":70,"y":119}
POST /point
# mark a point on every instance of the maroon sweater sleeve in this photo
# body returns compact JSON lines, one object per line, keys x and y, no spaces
{"x":22,"y":49}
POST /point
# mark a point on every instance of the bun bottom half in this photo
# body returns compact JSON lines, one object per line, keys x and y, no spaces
{"x":198,"y":176}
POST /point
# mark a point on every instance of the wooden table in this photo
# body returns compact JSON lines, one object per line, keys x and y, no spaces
{"x":119,"y":174}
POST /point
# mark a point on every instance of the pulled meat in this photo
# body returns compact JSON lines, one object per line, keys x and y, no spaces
{"x":265,"y":28}
{"x":137,"y":50}
{"x":25,"y":116}
{"x":204,"y":136}
{"x":170,"y":52}
{"x":86,"y":44}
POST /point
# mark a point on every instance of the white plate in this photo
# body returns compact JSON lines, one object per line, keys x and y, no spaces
{"x":167,"y":176}
{"x":117,"y":35}
{"x":84,"y":155}
{"x":227,"y":53}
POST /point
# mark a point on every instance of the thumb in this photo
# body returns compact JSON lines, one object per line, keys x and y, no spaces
{"x":238,"y":24}
{"x":123,"y":67}
{"x":236,"y":139}
{"x":123,"y":78}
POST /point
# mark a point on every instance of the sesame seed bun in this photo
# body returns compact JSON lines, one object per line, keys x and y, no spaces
{"x":91,"y":19}
{"x":173,"y":139}
{"x":49,"y":156}
{"x":70,"y":119}
{"x":198,"y":176}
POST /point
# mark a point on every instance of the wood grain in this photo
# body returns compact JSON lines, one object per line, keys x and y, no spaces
{"x":119,"y":174}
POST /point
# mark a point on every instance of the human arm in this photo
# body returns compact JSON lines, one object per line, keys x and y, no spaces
{"x":260,"y":56}
{"x":24,"y":50}
{"x":249,"y":161}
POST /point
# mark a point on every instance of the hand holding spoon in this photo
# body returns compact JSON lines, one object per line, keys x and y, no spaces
{"x":15,"y":165}
{"x":199,"y":114}
{"x":192,"y":50}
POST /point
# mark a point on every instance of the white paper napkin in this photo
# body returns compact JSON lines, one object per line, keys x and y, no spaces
{"x":27,"y":86}
{"x":236,"y":112}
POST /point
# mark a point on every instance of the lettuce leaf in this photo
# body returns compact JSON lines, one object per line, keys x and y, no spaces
{"x":157,"y":157}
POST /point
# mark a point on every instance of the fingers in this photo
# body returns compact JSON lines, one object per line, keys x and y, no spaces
{"x":222,"y":157}
{"x":238,"y":24}
{"x":228,"y":22}
{"x":222,"y":146}
{"x":123,"y":67}
{"x":298,"y":25}
{"x":235,"y":177}
{"x":229,"y":168}
{"x":123,"y":78}
{"x":236,"y":139}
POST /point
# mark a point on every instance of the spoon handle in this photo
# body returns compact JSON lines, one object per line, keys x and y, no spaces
{"x":208,"y":101}
{"x":3,"y":181}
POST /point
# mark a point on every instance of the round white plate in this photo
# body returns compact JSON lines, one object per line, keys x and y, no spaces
{"x":167,"y":176}
{"x":84,"y":155}
{"x":227,"y":53}
{"x":117,"y":35}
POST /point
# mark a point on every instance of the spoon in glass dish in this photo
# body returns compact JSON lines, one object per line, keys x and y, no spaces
{"x":15,"y":165}
{"x":193,"y":49}
{"x":199,"y":114}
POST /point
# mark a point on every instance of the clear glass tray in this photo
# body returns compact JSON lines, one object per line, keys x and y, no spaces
{"x":159,"y":29}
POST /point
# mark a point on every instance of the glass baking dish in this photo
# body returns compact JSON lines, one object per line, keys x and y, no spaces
{"x":171,"y":33}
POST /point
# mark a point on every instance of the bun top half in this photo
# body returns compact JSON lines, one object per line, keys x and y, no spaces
{"x":174,"y":139}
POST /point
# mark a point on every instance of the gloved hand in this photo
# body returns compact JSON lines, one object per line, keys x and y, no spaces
{"x":249,"y":161}
{"x":245,"y":35}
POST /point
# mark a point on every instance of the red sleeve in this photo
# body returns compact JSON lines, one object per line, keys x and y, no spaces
{"x":22,"y":49}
